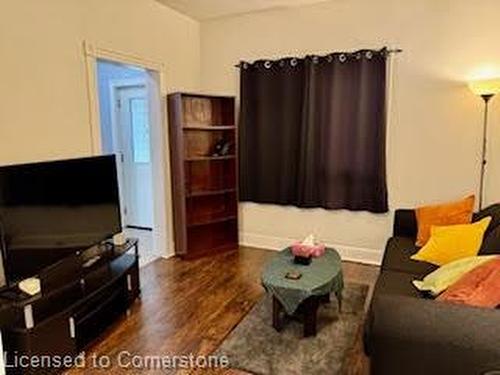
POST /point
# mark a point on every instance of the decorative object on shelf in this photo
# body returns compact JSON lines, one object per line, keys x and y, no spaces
{"x":204,"y":155}
{"x":119,"y":239}
{"x":31,"y":286}
{"x":221,"y":148}
{"x":486,"y":89}
{"x":306,"y":250}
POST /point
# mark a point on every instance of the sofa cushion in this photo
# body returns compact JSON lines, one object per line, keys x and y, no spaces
{"x":397,"y":257}
{"x":444,"y":276}
{"x":396,"y":283}
{"x":479,"y":287}
{"x":452,"y":242}
{"x":491,"y":242}
{"x":494,"y":212}
{"x":450,"y":213}
{"x":405,"y":223}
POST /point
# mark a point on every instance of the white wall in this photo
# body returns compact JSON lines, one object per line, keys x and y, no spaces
{"x":434,"y":137}
{"x":43,"y":102}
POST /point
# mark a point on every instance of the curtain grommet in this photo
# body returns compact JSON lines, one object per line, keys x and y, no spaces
{"x":342,"y":58}
{"x":315,"y":59}
{"x":293,"y":62}
{"x":369,"y":55}
{"x":282,"y":63}
{"x":267,"y":64}
{"x":329,"y":58}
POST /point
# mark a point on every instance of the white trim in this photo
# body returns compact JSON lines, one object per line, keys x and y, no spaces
{"x":163,"y":240}
{"x":347,"y":252}
{"x":93,"y":104}
{"x":163,"y":207}
{"x":127,"y":82}
{"x":123,"y":57}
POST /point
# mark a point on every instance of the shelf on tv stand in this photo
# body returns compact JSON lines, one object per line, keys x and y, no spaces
{"x":66,"y":319}
{"x":107,"y":256}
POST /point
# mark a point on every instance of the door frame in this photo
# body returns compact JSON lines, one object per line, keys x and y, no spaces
{"x":162,"y":189}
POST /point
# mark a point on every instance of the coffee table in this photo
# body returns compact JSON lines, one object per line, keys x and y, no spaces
{"x":301,"y":298}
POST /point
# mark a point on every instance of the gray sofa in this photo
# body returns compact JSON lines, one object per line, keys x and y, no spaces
{"x":407,"y":332}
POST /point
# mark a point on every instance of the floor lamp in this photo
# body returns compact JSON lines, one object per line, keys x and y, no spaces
{"x":486,"y":89}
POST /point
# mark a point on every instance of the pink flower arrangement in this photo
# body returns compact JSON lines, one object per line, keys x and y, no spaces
{"x":308,"y":248}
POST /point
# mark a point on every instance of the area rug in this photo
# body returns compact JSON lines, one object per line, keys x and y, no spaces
{"x":254,"y":346}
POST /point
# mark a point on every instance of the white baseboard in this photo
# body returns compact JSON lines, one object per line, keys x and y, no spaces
{"x":347,"y":252}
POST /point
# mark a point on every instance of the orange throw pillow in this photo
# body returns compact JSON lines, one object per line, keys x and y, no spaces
{"x":453,"y":213}
{"x":479,"y":287}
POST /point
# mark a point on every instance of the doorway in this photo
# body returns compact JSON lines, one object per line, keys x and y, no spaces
{"x":125,"y":113}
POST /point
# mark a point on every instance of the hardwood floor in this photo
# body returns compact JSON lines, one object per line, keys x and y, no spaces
{"x":190,"y":306}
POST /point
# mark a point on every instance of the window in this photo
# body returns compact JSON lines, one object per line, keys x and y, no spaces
{"x":140,"y":130}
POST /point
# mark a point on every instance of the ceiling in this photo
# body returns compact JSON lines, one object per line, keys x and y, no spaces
{"x":206,"y":9}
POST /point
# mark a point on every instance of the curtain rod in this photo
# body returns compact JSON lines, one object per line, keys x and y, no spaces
{"x":392,"y":50}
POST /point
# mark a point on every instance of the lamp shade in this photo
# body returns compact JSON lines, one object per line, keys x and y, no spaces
{"x":485,"y":87}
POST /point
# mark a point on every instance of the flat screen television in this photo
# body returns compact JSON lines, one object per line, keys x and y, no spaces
{"x":51,"y":210}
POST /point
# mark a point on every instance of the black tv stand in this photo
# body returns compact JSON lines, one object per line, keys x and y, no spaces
{"x":81,"y":296}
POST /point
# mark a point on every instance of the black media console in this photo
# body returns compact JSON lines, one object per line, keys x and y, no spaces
{"x":81,"y":296}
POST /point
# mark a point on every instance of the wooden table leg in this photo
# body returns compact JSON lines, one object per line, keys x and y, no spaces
{"x":310,"y":315}
{"x":277,"y":320}
{"x":339,"y":299}
{"x":325,"y":298}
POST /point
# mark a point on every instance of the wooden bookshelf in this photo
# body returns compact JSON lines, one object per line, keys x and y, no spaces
{"x":203,"y":147}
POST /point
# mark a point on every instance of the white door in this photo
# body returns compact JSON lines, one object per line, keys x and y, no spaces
{"x":133,"y":136}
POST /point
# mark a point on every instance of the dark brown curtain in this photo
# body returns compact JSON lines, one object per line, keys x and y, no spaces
{"x":312,"y":131}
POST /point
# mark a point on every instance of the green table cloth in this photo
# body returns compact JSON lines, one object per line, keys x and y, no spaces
{"x":322,"y":276}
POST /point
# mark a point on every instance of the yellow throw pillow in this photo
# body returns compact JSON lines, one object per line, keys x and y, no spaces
{"x":449,"y":243}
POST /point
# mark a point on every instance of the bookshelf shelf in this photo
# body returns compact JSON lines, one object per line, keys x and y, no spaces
{"x":214,"y":220}
{"x":204,"y":193}
{"x":210,"y":158}
{"x":214,"y":127}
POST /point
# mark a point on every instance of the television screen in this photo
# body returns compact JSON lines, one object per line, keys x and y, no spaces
{"x":50,"y":210}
